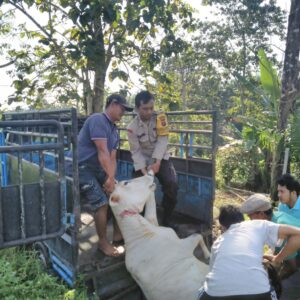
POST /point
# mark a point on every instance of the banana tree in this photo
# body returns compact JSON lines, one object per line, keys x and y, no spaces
{"x":260,"y":128}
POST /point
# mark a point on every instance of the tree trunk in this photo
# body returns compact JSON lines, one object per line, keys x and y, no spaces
{"x":276,"y":170}
{"x":87,"y":93}
{"x":183,"y":91}
{"x":99,"y":81}
{"x":290,"y":88}
{"x":290,"y":79}
{"x":242,"y":93}
{"x":100,"y":65}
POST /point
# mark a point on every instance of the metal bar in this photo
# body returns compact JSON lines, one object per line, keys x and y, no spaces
{"x":32,"y":133}
{"x":33,"y":123}
{"x":191,"y":146}
{"x":181,"y":144}
{"x":61,"y":173}
{"x":31,"y":142}
{"x":3,"y":181}
{"x":180,"y":113}
{"x":25,"y":148}
{"x":62,"y":265}
{"x":75,"y":188}
{"x":186,"y":142}
{"x":197,"y":112}
{"x":214,"y":145}
{"x":1,"y":219}
{"x":45,"y":152}
{"x":191,"y":131}
{"x":37,"y":112}
{"x":69,"y":136}
{"x":66,"y":124}
{"x":63,"y":274}
{"x":33,"y":239}
{"x":21,"y":192}
{"x":42,"y":191}
{"x":191,"y":122}
{"x":182,"y":131}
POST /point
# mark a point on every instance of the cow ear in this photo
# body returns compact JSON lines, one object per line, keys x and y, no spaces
{"x":114,"y":199}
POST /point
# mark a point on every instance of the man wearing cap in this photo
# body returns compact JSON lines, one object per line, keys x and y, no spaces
{"x":148,"y":140}
{"x":97,"y":146}
{"x":258,"y":207}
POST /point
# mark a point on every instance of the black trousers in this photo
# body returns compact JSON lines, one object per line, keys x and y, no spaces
{"x":168,"y":179}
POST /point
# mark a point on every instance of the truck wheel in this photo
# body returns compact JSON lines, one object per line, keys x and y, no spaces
{"x":42,"y":255}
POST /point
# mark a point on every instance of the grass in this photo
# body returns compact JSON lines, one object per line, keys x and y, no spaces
{"x":22,"y":277}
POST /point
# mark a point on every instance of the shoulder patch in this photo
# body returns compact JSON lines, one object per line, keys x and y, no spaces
{"x":162,"y":126}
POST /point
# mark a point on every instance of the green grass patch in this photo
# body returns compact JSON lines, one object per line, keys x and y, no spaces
{"x":22,"y":277}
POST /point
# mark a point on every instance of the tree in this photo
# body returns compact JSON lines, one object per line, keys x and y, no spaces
{"x":245,"y":27}
{"x":290,"y":88}
{"x":81,"y":39}
{"x":222,"y":56}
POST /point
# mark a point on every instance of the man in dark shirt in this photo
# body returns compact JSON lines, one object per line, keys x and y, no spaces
{"x":97,"y":146}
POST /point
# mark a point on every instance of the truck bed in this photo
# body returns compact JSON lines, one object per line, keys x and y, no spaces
{"x":109,"y":276}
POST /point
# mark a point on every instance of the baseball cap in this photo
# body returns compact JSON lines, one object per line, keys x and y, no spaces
{"x":116,"y":98}
{"x":255,"y":203}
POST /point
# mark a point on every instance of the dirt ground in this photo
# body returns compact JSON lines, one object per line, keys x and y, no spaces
{"x":226,"y":197}
{"x":230,"y":196}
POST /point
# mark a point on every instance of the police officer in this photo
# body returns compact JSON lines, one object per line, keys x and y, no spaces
{"x":148,"y":140}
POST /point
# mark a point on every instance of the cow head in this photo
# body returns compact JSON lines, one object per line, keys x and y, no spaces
{"x":132,"y":195}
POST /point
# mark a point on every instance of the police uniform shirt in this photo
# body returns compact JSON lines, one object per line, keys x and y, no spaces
{"x":144,"y":142}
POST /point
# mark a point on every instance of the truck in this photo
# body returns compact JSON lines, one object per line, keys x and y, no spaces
{"x":40,"y":205}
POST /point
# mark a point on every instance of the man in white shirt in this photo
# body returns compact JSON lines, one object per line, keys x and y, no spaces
{"x":236,"y":270}
{"x":258,"y":207}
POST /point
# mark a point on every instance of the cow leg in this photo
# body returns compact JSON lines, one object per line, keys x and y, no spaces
{"x":191,"y":242}
{"x":203,"y":247}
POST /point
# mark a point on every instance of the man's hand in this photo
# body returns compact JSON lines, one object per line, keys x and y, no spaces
{"x":109,"y":185}
{"x":154,"y":167}
{"x":274,"y":259}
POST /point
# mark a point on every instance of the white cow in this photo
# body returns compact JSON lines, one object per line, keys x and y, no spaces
{"x":162,"y":264}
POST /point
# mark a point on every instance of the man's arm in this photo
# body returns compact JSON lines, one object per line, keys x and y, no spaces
{"x":106,"y":162}
{"x":292,"y":234}
{"x":138,"y":158}
{"x":113,"y":159}
{"x":159,"y":152}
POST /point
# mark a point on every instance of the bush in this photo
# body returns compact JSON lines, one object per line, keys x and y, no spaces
{"x":238,"y":167}
{"x":22,"y":277}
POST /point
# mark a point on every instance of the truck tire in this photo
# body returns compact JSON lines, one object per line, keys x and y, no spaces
{"x":43,"y":255}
